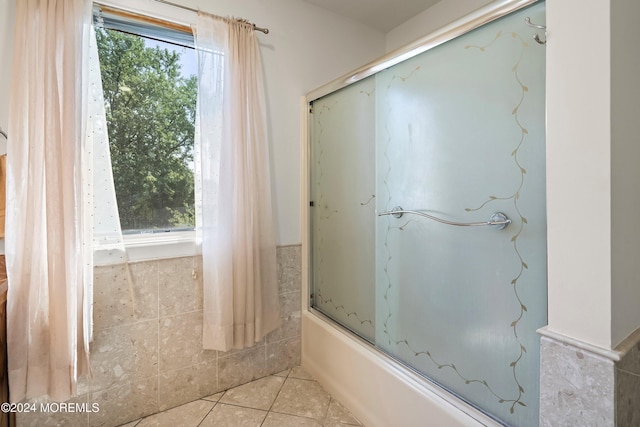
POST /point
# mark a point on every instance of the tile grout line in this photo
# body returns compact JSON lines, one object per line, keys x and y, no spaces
{"x":326,"y":415}
{"x":270,"y":410}
{"x":210,"y":411}
{"x":217,"y":368}
{"x":324,"y":419}
{"x":158,"y":327}
{"x":628,"y":372}
{"x":276,"y":398}
{"x":266,"y":369}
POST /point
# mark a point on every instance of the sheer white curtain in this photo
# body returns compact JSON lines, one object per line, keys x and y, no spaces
{"x":48,"y":255}
{"x":108,"y":243}
{"x":234,"y":219}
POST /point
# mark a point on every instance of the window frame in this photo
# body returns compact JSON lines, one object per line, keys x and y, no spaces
{"x":161,"y":244}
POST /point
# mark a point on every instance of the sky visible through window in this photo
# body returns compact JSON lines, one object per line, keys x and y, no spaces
{"x":188,"y":58}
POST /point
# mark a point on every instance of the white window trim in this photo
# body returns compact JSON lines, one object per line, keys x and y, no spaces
{"x":147,"y":247}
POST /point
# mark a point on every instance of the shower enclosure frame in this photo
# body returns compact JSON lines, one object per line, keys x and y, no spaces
{"x":408,"y":398}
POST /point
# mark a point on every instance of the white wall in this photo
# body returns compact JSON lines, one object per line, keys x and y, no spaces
{"x":438,"y":15}
{"x":579,"y":170}
{"x":625,"y":168}
{"x":593,"y":178}
{"x":307,"y":46}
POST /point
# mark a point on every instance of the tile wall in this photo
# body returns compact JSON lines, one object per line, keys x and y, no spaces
{"x":627,"y":397}
{"x":579,"y":387}
{"x":147,"y":351}
{"x":575,"y":386}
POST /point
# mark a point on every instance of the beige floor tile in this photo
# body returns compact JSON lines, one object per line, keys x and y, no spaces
{"x":284,"y":373}
{"x":233,"y":416}
{"x":214,"y":397}
{"x":283,"y":420}
{"x":336,"y":424}
{"x":300,"y":373}
{"x":303,"y":398}
{"x":258,"y":394}
{"x":339,"y":414}
{"x":293,"y":397}
{"x":187,"y":415}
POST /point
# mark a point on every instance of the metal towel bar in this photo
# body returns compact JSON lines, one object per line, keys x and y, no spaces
{"x":497,"y":220}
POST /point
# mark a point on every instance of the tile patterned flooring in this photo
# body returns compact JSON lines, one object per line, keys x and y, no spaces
{"x":288,"y":399}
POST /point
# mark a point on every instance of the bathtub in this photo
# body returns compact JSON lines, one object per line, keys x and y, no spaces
{"x":379,"y":391}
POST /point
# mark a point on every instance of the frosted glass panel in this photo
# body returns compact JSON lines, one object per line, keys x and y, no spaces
{"x":457,"y":133}
{"x":343,"y":216}
{"x":461,"y":136}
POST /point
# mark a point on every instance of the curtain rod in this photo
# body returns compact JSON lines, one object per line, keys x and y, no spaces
{"x":256,"y":28}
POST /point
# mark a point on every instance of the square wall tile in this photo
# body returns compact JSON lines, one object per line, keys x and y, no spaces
{"x":575,"y":385}
{"x":124,"y":403}
{"x":60,"y":418}
{"x":290,"y":315}
{"x":283,"y":355}
{"x":123,"y":354}
{"x":181,"y":342}
{"x":124,"y":294}
{"x":180,"y":285}
{"x":631,"y":360}
{"x":240,"y":367}
{"x":627,"y":398}
{"x":289,"y":268}
{"x":186,"y":384}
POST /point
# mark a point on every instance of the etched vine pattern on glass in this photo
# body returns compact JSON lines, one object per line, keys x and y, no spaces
{"x":514,"y":197}
{"x":325,"y":213}
{"x":518,"y":399}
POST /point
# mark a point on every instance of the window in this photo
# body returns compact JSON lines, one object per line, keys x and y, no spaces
{"x":150,"y":89}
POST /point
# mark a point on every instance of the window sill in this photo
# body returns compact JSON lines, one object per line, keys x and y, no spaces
{"x":145,"y":247}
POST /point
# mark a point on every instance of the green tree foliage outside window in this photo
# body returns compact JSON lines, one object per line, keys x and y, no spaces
{"x":150,"y":109}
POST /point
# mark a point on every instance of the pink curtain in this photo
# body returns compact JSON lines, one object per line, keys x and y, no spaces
{"x":48,"y":257}
{"x":234,"y":220}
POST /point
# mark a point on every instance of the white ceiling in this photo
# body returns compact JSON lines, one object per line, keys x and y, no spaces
{"x":384,"y":15}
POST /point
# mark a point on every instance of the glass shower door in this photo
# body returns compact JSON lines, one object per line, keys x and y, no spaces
{"x":460,"y":137}
{"x":343,"y":214}
{"x":455,"y":135}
